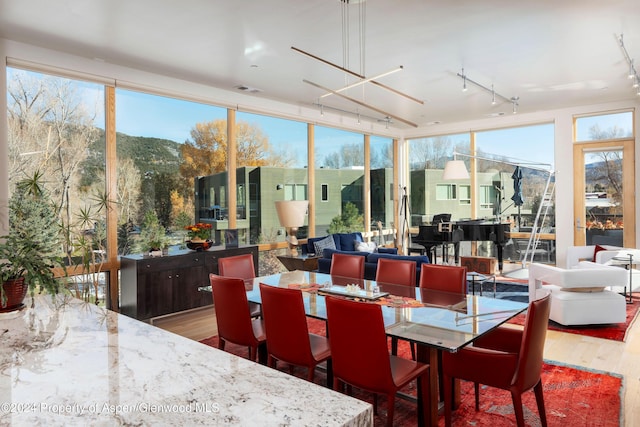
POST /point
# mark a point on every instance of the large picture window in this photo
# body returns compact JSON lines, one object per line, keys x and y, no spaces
{"x":56,"y":128}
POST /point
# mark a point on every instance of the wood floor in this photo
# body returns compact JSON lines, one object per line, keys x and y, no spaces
{"x":592,"y":353}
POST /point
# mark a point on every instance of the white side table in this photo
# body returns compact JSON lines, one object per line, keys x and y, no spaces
{"x":627,"y":262}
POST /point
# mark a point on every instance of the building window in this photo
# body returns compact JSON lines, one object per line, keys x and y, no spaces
{"x":465,"y":194}
{"x":487,"y":196}
{"x":295,"y":192}
{"x":446,"y":192}
{"x":324,"y":192}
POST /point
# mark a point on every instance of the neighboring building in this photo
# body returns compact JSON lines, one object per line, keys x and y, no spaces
{"x":256,"y":207}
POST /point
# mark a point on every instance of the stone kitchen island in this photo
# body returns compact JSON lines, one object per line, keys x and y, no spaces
{"x":70,"y":363}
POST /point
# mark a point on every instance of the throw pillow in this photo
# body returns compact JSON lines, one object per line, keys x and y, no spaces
{"x":597,"y":249}
{"x":365,"y":246}
{"x":326,"y":243}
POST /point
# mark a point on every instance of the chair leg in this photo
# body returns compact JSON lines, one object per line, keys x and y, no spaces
{"x":394,"y":346}
{"x":537,"y":389}
{"x":476,"y":389}
{"x":391,"y":406}
{"x":517,"y":407}
{"x":440,"y":376}
{"x":329,"y":372}
{"x":221,"y":344}
{"x":424,"y":398}
{"x":448,"y":399}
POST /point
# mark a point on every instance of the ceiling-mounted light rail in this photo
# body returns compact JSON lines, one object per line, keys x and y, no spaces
{"x":513,"y":100}
{"x":356,"y":101}
{"x":633,"y":74}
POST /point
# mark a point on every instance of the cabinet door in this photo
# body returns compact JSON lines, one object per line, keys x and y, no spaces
{"x":185,"y":289}
{"x":155,"y":293}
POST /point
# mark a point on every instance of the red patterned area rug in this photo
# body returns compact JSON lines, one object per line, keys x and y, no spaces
{"x":616,"y":331}
{"x":573,"y":397}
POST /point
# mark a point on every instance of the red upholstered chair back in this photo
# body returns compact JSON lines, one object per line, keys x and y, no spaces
{"x":232,"y":310}
{"x":237,"y":266}
{"x":532,"y":347}
{"x":346,"y":265}
{"x":396,"y":271}
{"x":359,"y":344}
{"x":286,"y":325}
{"x":446,"y":278}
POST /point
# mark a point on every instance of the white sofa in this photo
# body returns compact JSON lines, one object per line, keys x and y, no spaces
{"x":582,"y":256}
{"x":578,"y":296}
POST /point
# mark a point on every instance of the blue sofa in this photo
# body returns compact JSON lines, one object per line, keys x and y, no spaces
{"x":342,"y":241}
{"x":371,"y":261}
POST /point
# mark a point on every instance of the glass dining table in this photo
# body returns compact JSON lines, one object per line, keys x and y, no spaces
{"x":433,"y":320}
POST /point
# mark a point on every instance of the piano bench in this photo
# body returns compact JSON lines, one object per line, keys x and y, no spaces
{"x":417,"y":249}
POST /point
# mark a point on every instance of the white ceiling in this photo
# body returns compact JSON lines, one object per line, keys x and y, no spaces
{"x":550,"y":54}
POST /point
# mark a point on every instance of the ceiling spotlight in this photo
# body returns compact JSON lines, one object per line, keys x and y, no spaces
{"x":636,"y":83}
{"x":358,"y":118}
{"x":464,"y":81}
{"x":493,"y":96}
{"x":321,"y":110}
{"x":631,"y":71}
{"x":514,"y":102}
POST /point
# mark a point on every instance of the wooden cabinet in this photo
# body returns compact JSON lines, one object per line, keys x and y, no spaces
{"x":152,"y":287}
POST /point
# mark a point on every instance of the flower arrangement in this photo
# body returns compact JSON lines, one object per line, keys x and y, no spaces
{"x":199,"y":231}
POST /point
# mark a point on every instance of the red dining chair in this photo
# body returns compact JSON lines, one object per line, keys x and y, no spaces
{"x":346,"y":265}
{"x":289,"y":340}
{"x":240,"y":266}
{"x":396,"y":271}
{"x":361,"y":357}
{"x":446,"y":278}
{"x":235,"y":324}
{"x":505,"y":358}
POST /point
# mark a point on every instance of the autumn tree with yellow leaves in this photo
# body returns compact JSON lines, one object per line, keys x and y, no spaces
{"x":206,"y":152}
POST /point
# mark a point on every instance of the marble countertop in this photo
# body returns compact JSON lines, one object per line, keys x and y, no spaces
{"x":71,"y":363}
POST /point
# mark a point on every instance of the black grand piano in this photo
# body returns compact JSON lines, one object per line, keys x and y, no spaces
{"x":443,"y":233}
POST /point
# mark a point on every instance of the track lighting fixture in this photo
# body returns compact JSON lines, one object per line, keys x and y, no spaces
{"x":632,"y":74}
{"x":513,"y":100}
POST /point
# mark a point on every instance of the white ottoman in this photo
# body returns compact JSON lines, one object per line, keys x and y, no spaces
{"x":578,"y":295}
{"x":586,"y":308}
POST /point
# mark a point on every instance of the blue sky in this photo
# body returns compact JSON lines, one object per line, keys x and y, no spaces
{"x":140,"y":114}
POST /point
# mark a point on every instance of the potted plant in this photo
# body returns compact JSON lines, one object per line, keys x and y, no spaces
{"x":33,"y":245}
{"x":153,"y":236}
{"x":199,"y":236}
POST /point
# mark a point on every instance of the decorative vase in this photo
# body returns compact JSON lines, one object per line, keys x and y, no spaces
{"x":199,"y":246}
{"x":15,"y":290}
